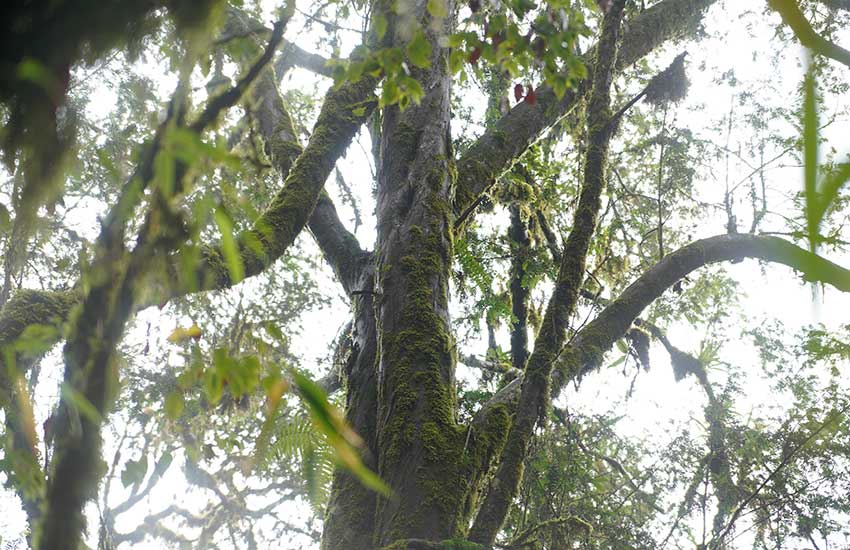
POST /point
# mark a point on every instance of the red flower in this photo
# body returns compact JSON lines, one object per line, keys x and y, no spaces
{"x":530,"y":96}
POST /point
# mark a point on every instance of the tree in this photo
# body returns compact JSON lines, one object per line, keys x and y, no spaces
{"x":205,"y":201}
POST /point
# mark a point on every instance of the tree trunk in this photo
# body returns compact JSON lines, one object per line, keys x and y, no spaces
{"x":420,"y":443}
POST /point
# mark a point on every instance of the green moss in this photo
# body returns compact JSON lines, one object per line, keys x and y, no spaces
{"x":459,"y":544}
{"x":35,"y":307}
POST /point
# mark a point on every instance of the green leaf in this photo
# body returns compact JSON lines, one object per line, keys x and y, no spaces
{"x":339,"y":434}
{"x":380,"y":26}
{"x":36,"y":340}
{"x":419,"y":50}
{"x":5,"y":218}
{"x":134,"y":471}
{"x":81,"y":404}
{"x":229,"y":248}
{"x":36,"y":72}
{"x":437,"y":8}
{"x":163,"y":463}
{"x":174,"y":404}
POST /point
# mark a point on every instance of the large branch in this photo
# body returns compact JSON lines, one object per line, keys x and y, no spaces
{"x":589,"y":345}
{"x":343,"y":112}
{"x":794,"y":18}
{"x":339,"y":246}
{"x":295,"y":56}
{"x":501,"y":146}
{"x":585,"y":352}
{"x":553,"y":329}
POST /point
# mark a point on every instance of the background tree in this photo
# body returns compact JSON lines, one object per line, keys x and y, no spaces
{"x":571,"y":212}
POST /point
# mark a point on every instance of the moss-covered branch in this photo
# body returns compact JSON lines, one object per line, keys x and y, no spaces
{"x":550,"y":339}
{"x":502,"y":145}
{"x":112,"y":282}
{"x":343,"y":112}
{"x":591,"y":342}
{"x":339,"y":246}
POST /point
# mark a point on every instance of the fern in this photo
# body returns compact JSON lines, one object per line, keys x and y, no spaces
{"x":299,"y":440}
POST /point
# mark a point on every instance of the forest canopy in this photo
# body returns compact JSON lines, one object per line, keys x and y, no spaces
{"x":425,"y":274}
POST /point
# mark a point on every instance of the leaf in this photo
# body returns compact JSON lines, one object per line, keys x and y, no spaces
{"x":36,"y":340}
{"x":456,"y":59}
{"x":380,"y":26}
{"x":81,"y":404}
{"x":339,"y":434}
{"x":174,"y":404}
{"x":5,"y":218}
{"x":437,"y":8}
{"x":519,"y":92}
{"x":419,"y":50}
{"x":134,"y":471}
{"x":180,"y":334}
{"x":163,"y":463}
{"x":25,"y":412}
{"x":275,"y":386}
{"x":530,"y":96}
{"x":229,"y":248}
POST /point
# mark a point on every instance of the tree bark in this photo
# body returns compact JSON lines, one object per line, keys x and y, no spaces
{"x":536,"y":382}
{"x":498,"y":148}
{"x":420,"y":444}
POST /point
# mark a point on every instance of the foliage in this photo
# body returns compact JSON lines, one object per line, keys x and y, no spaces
{"x":230,"y":418}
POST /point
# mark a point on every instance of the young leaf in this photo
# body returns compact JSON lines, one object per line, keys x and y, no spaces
{"x":174,"y":404}
{"x":437,"y":8}
{"x":229,"y":247}
{"x":419,"y":50}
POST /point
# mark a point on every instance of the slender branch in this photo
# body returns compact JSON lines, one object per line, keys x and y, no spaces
{"x":230,"y":97}
{"x":782,"y":463}
{"x":550,"y":339}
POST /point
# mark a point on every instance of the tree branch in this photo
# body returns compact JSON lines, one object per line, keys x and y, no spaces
{"x":550,"y":339}
{"x":590,"y":343}
{"x":90,"y":377}
{"x":339,"y":246}
{"x":794,"y":18}
{"x":499,"y":147}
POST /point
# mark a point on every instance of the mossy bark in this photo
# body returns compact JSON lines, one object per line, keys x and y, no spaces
{"x":550,"y":339}
{"x":520,"y":253}
{"x":422,"y":453}
{"x":350,"y":515}
{"x":25,"y":309}
{"x":500,"y":146}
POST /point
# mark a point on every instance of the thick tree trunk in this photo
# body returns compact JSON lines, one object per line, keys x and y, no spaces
{"x":421,"y":445}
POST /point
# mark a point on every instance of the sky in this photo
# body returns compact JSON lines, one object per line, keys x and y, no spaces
{"x":657,"y":400}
